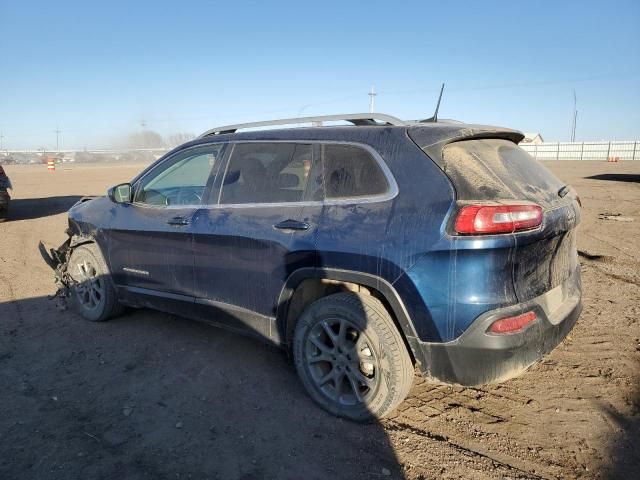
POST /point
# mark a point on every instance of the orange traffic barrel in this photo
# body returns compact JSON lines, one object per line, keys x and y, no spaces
{"x":51,"y":164}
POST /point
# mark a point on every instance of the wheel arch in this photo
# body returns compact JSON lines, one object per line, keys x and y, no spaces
{"x":286,"y":315}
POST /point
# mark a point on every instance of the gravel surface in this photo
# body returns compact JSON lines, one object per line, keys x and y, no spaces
{"x":150,"y":395}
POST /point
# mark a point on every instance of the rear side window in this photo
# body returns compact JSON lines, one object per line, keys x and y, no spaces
{"x":267,"y":173}
{"x":351,"y":171}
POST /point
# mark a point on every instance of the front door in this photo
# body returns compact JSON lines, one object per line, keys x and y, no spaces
{"x":150,"y":240}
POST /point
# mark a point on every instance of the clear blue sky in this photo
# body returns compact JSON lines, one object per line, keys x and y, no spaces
{"x":95,"y":69}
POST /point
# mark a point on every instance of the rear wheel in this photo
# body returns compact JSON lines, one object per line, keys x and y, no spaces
{"x":351,"y":357}
{"x":92,"y":292}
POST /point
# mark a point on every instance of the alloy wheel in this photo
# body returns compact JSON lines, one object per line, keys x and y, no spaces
{"x":342,"y":361}
{"x":89,"y":287}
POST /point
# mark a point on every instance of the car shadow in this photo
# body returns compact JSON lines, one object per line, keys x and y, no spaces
{"x":616,"y":177}
{"x":624,"y":446}
{"x":152,"y":395}
{"x":31,"y":208}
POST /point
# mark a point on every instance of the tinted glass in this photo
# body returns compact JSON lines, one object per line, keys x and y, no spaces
{"x":182,"y":180}
{"x":492,"y":169}
{"x":351,"y":171}
{"x":267,"y":173}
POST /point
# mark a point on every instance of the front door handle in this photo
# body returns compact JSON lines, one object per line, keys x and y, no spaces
{"x":292,"y":225}
{"x":179,"y":221}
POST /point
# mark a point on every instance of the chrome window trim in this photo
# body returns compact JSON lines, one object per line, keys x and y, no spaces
{"x":390,"y":194}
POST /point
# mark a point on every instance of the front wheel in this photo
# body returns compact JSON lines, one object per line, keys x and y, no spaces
{"x":92,"y":292}
{"x":351,"y":357}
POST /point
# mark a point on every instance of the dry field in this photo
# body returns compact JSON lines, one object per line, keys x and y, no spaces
{"x":150,"y":395}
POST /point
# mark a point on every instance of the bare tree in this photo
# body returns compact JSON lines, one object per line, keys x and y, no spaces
{"x":145,"y":139}
{"x":175,"y":139}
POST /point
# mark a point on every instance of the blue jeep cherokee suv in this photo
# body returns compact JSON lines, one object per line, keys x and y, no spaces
{"x":366,"y":250}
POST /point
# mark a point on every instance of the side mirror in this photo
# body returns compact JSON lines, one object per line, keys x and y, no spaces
{"x":120,"y":193}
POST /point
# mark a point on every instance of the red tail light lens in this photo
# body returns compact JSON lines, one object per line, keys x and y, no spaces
{"x":487,"y":219}
{"x":2,"y":174}
{"x":512,"y":324}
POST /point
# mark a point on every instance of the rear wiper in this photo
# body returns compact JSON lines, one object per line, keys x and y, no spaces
{"x":563,"y":191}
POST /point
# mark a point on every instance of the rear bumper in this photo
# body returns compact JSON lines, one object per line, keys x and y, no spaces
{"x":477,"y":357}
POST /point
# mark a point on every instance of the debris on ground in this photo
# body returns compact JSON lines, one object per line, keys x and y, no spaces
{"x":614,"y":216}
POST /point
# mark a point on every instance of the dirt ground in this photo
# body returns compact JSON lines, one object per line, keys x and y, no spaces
{"x":150,"y":395}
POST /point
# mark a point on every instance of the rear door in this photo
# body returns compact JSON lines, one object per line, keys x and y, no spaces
{"x":150,"y":240}
{"x":259,"y":228}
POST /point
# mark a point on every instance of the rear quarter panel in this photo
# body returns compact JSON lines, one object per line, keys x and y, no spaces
{"x":387,"y":238}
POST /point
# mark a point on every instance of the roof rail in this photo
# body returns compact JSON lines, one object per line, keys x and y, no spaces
{"x":354,"y":118}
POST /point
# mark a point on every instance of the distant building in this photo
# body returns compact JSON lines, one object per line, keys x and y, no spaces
{"x":532,"y":138}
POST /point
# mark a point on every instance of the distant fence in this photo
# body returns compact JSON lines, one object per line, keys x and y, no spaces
{"x":583,"y":150}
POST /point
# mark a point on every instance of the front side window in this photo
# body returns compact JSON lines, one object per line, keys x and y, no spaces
{"x":181,"y":180}
{"x":351,"y":171}
{"x":267,"y":173}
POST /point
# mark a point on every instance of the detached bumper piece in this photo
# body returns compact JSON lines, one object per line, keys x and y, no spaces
{"x":57,"y":259}
{"x":480,"y":356}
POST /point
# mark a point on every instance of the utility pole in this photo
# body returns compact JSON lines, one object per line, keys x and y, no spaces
{"x":575,"y":117}
{"x":1,"y":139}
{"x":58,"y":131}
{"x":372,"y":98}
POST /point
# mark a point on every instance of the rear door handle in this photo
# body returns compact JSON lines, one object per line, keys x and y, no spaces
{"x":292,"y":225}
{"x":179,"y":221}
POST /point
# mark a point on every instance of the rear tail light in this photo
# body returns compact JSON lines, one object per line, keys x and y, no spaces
{"x":516,"y":324}
{"x":2,"y":174}
{"x":488,"y":219}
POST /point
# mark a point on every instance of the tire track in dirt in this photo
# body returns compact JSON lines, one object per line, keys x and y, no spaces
{"x":516,"y":465}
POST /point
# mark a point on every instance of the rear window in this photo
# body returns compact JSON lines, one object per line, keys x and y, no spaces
{"x":351,"y":171}
{"x":496,"y":169}
{"x":267,"y":173}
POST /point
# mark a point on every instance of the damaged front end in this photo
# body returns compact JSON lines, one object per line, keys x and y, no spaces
{"x":58,"y":260}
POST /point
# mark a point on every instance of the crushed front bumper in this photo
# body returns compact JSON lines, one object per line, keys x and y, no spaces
{"x":478,"y":357}
{"x":58,"y":259}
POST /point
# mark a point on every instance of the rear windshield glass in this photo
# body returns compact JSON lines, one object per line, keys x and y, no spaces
{"x":495,"y":169}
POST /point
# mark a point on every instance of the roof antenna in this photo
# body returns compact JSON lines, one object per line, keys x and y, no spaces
{"x":435,"y":114}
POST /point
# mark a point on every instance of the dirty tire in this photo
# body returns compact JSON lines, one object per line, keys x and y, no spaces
{"x":92,"y":295}
{"x":351,"y":357}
